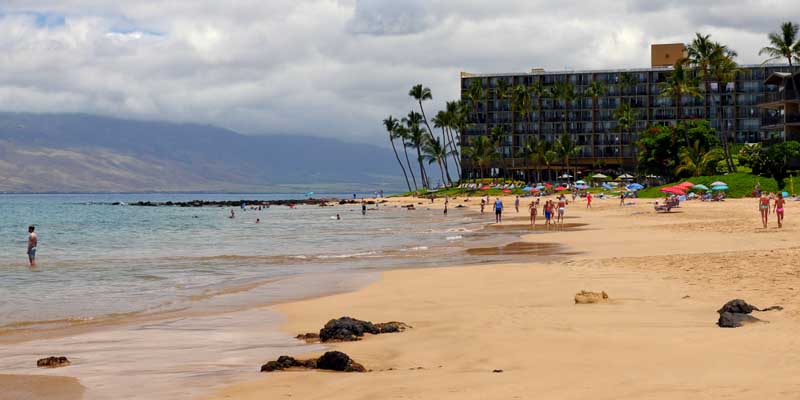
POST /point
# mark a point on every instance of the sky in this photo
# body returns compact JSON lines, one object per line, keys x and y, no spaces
{"x":332,"y":68}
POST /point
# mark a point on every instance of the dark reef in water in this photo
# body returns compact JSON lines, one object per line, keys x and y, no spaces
{"x":248,"y":203}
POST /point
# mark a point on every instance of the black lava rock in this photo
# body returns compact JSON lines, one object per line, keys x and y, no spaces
{"x":346,"y":329}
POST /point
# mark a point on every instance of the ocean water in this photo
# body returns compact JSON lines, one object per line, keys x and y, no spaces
{"x":98,"y":260}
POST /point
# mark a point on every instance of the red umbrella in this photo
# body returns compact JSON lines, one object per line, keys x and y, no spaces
{"x":506,"y":190}
{"x":535,"y":190}
{"x":560,"y":188}
{"x":673,"y":190}
{"x":547,"y":185}
{"x":485,"y":188}
{"x":685,"y":185}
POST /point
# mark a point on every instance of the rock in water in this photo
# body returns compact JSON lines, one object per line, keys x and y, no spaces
{"x":735,"y":320}
{"x":586,"y":297}
{"x":52,"y":362}
{"x":391,"y":327}
{"x":346,"y":329}
{"x":308,"y":337}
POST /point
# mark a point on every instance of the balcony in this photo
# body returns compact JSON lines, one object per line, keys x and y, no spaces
{"x":776,"y":97}
{"x":774,"y":120}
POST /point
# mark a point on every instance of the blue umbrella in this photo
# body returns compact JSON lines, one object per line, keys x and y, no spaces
{"x":540,"y":187}
{"x":527,"y":189}
{"x":635,"y":186}
{"x":581,"y":187}
{"x":785,"y":194}
{"x":580,"y":182}
{"x":719,"y":187}
{"x":607,"y":186}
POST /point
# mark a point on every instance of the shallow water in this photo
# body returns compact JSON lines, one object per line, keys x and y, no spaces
{"x":163,"y":302}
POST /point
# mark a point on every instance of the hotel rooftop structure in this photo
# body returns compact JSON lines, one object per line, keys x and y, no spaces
{"x":593,"y":127}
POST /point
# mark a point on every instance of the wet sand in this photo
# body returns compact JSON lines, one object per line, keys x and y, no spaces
{"x":30,"y":387}
{"x":656,"y":339}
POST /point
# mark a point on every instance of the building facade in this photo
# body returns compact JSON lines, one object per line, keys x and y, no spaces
{"x":593,"y":126}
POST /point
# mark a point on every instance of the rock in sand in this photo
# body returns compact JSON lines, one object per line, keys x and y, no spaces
{"x":586,"y":297}
{"x":53,"y":362}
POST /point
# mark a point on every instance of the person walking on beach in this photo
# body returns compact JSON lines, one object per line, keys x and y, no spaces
{"x":483,"y":205}
{"x":498,"y":211}
{"x":622,"y":199}
{"x":562,"y":208}
{"x":763,"y":207}
{"x":33,"y":241}
{"x":533,"y":211}
{"x":548,"y":213}
{"x":588,"y":200}
{"x":233,"y":215}
{"x":779,"y":203}
{"x":363,"y":207}
{"x":446,"y":202}
{"x":516,"y":204}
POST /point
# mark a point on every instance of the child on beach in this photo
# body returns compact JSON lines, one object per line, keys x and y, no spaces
{"x":779,"y":202}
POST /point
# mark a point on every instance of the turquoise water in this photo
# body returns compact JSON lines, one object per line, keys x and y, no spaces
{"x":97,"y":260}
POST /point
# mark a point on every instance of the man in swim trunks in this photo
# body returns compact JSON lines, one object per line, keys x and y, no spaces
{"x":498,"y":211}
{"x":33,"y":241}
{"x":763,"y":207}
{"x":779,"y":203}
{"x":363,"y":207}
{"x":548,"y":213}
{"x":562,"y":207}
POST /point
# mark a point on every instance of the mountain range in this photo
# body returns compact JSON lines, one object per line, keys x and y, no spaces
{"x":87,"y":153}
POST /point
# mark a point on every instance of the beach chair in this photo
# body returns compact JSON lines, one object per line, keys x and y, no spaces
{"x":663,"y":207}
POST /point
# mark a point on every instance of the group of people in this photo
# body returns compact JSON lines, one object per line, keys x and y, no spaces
{"x":769,"y":203}
{"x":553,"y":211}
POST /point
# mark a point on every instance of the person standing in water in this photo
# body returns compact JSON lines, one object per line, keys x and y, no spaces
{"x":33,"y":241}
{"x":763,"y":207}
{"x":561,"y":208}
{"x":779,"y":203}
{"x":498,"y":211}
{"x":446,"y":202}
{"x":533,"y":211}
{"x":516,"y":204}
{"x":363,"y":207}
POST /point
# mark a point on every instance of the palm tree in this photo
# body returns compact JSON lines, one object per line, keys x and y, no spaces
{"x":391,"y":125}
{"x":566,"y":148}
{"x":723,"y":69}
{"x":497,"y":135}
{"x":538,"y":90}
{"x":435,"y":152}
{"x":529,"y":153}
{"x":456,"y":120}
{"x":679,"y":84}
{"x":481,"y":151}
{"x":696,"y":161}
{"x":626,"y":119}
{"x":627,"y":81}
{"x":420,"y":94}
{"x":520,"y":104}
{"x":700,"y":53}
{"x":784,"y":44}
{"x":564,"y":92}
{"x":475,"y":95}
{"x":416,"y":139}
{"x":550,"y":157}
{"x":403,"y":134}
{"x":541,"y":154}
{"x":595,"y":90}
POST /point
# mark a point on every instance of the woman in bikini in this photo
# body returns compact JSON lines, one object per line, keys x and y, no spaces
{"x":533,"y":211}
{"x":779,"y":202}
{"x":763,"y":207}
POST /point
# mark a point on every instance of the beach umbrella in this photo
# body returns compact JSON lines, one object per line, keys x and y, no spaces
{"x":566,"y":176}
{"x":540,"y":187}
{"x":548,"y":185}
{"x":599,"y":176}
{"x":580,"y":182}
{"x":527,"y":189}
{"x":635,"y":186}
{"x":720,"y":187}
{"x":607,"y":186}
{"x":686,"y":184}
{"x":485,"y":187}
{"x":582,"y":187}
{"x":626,"y":176}
{"x":700,"y":187}
{"x":718,"y":183}
{"x":560,"y":188}
{"x":535,"y":190}
{"x":506,"y":190}
{"x":785,"y":194}
{"x":673,"y":190}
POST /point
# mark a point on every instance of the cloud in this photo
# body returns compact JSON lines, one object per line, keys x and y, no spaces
{"x":326,"y":67}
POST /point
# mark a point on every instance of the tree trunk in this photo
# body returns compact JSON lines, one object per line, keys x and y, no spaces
{"x":423,"y":175}
{"x":408,"y":163}
{"x":401,"y":163}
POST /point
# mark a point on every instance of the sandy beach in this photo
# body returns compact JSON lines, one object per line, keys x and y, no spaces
{"x":656,"y":338}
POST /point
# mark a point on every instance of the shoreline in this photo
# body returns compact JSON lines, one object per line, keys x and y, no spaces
{"x":659,"y":315}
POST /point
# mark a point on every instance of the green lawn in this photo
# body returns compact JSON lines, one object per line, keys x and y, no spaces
{"x":740,"y":184}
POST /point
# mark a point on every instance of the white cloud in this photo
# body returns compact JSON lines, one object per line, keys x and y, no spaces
{"x":325,"y":67}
